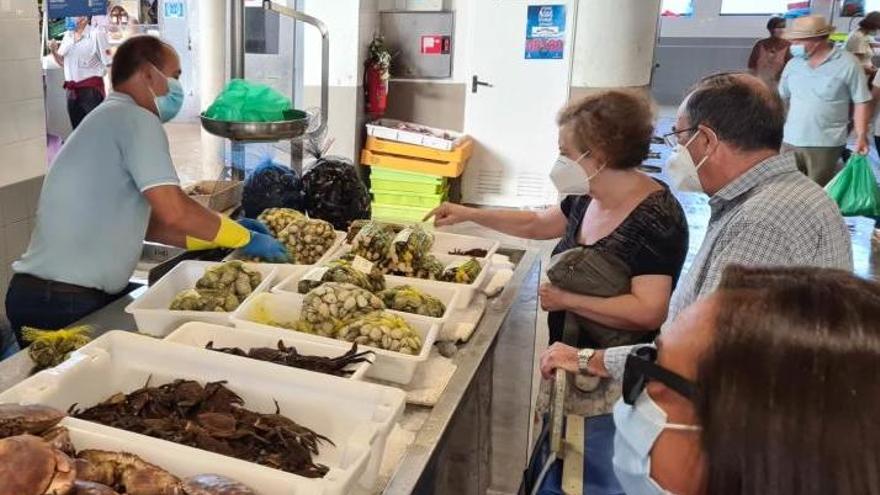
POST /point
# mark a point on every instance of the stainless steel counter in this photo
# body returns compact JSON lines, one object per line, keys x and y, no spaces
{"x":452,"y":448}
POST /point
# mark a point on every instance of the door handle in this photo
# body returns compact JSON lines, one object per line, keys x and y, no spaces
{"x":477,"y":83}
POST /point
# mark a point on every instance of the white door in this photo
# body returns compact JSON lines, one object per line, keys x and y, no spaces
{"x":513,"y":120}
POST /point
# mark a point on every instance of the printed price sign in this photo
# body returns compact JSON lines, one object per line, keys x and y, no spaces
{"x":362,"y":265}
{"x":545,"y":32}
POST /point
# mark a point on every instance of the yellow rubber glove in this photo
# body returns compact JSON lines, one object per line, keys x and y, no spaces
{"x":229,"y":235}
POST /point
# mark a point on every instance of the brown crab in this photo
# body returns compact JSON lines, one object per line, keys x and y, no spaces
{"x":30,"y":466}
{"x":33,"y":419}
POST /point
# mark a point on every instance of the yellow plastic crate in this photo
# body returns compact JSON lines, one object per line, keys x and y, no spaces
{"x":419,"y":159}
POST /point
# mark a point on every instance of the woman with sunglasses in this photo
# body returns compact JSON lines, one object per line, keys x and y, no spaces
{"x":767,"y":386}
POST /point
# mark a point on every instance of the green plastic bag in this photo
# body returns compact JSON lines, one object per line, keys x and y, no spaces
{"x":855,"y":189}
{"x":244,"y":101}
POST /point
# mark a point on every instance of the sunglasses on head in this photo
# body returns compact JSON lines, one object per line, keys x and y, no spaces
{"x":641,"y":366}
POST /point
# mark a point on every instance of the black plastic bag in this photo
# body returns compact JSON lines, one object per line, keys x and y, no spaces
{"x":333,"y":192}
{"x":271,"y":186}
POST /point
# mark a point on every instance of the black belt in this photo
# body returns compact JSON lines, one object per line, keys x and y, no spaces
{"x":27,"y":280}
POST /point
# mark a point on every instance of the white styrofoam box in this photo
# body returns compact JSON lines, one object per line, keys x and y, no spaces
{"x":466,"y":291}
{"x":285,"y":309}
{"x":198,"y":334}
{"x":151,"y":311}
{"x":19,"y":39}
{"x":446,"y":293}
{"x":388,"y":129}
{"x":340,"y":238}
{"x":356,"y":416}
{"x":445,"y":243}
{"x":21,"y":79}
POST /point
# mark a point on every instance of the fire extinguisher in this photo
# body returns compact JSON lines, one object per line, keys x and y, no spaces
{"x":377,"y":72}
{"x":376,"y":89}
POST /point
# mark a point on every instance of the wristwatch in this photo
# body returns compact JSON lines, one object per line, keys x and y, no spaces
{"x":584,"y":356}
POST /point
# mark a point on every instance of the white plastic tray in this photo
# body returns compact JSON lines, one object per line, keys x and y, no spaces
{"x":445,"y":243}
{"x":151,"y":311}
{"x":387,"y":129}
{"x":197,"y":334}
{"x":448,"y":295}
{"x":357,"y":416}
{"x":466,"y":291}
{"x":340,"y":239}
{"x":285,"y":308}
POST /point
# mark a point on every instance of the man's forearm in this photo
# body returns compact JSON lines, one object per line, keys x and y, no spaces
{"x":861,"y":119}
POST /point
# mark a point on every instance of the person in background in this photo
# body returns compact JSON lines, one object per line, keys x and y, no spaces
{"x":770,"y":54}
{"x":112,"y":186}
{"x":764,"y":211}
{"x":766,"y":386}
{"x":819,"y":84}
{"x":860,"y":42}
{"x":84,"y":53}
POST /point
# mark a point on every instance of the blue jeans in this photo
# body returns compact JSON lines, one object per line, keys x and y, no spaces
{"x":599,"y":478}
{"x":48,"y":305}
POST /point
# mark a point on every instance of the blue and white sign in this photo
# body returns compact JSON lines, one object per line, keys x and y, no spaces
{"x":75,"y":8}
{"x":173,"y":9}
{"x":545,"y":32}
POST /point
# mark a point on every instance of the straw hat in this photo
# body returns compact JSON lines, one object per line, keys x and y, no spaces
{"x":812,"y":26}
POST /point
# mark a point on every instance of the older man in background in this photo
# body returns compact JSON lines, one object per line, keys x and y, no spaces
{"x":819,"y":84}
{"x":770,"y":54}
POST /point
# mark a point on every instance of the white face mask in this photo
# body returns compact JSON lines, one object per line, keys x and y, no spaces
{"x":637,"y":429}
{"x":682,"y":170}
{"x":570,"y":178}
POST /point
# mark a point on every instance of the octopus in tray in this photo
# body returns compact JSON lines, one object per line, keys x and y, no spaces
{"x":37,"y":457}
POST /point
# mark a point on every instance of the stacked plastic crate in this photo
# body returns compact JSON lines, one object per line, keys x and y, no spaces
{"x":411,"y":167}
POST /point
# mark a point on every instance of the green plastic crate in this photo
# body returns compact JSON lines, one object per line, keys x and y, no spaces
{"x":394,"y":213}
{"x":384,"y":174}
{"x":394,"y":198}
{"x":396,"y":187}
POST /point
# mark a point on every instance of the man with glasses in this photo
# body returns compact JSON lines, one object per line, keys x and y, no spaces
{"x":764,"y":212}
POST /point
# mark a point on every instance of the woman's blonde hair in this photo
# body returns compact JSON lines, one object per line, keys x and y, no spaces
{"x":616,"y":125}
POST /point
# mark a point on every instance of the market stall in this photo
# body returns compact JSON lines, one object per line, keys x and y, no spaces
{"x":413,"y":452}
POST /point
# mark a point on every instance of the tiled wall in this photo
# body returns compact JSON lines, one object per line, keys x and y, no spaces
{"x":22,"y":129}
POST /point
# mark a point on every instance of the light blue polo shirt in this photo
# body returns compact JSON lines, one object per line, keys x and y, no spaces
{"x":819,"y":98}
{"x":92,"y":217}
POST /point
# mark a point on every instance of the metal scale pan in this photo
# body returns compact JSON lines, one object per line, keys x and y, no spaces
{"x":283,"y":130}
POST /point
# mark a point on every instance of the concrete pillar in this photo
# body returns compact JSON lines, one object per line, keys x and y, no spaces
{"x":615,"y":42}
{"x":212,"y":62}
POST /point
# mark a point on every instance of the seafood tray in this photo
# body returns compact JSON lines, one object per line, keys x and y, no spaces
{"x":198,"y":335}
{"x":357,"y":416}
{"x":445,"y":292}
{"x":466,"y":291}
{"x":151,"y":311}
{"x":446,"y":243}
{"x":285,"y":308}
{"x":340,"y":239}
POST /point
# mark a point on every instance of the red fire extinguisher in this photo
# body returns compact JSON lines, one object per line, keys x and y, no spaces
{"x":376,"y":89}
{"x":377,"y":71}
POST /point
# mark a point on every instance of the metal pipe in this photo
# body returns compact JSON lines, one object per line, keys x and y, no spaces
{"x":236,"y":39}
{"x":325,"y":54}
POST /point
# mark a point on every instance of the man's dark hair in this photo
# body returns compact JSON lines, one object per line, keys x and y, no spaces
{"x":135,"y":52}
{"x":871,"y":22}
{"x":740,"y":108}
{"x":775,"y":23}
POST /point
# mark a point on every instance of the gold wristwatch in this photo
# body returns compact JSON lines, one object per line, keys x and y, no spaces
{"x":584,"y":356}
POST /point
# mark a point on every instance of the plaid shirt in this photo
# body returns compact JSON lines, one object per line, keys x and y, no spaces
{"x":772,"y":215}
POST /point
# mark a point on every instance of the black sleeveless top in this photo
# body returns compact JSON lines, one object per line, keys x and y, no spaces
{"x":652,"y":240}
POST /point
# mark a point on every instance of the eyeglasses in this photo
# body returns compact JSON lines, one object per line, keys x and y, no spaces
{"x":641,"y":366}
{"x":671,"y":138}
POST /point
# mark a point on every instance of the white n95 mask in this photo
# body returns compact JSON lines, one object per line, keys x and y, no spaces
{"x":637,"y":429}
{"x":569,"y":177}
{"x":682,"y":170}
